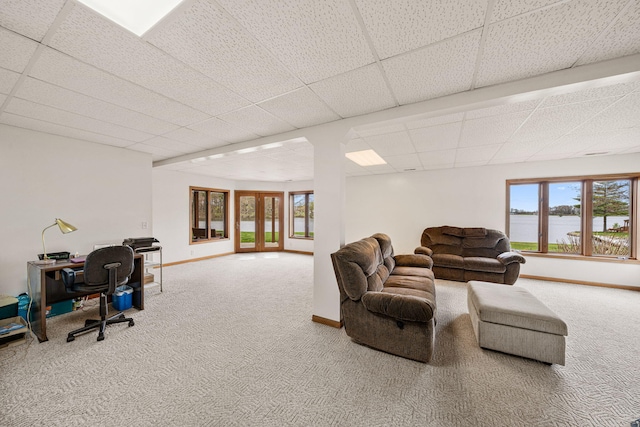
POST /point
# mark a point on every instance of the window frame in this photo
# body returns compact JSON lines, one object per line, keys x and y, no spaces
{"x":225,"y":230}
{"x":586,"y":225}
{"x":307,"y":233}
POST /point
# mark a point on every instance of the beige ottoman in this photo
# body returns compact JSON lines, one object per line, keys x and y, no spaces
{"x":511,"y":320}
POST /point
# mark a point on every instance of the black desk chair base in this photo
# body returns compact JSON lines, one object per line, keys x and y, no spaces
{"x":102,"y":323}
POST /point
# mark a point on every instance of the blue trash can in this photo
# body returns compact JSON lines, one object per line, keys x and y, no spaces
{"x":122,"y":298}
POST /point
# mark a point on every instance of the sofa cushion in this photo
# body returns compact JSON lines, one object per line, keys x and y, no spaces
{"x":413,"y":260}
{"x":452,"y":231}
{"x":474,"y":232}
{"x":488,"y":265}
{"x":375,"y":282}
{"x":435,"y":236}
{"x":413,"y":271}
{"x":418,"y":283}
{"x":448,"y":260}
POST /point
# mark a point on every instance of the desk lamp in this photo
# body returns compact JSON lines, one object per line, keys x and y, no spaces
{"x":65,"y":228}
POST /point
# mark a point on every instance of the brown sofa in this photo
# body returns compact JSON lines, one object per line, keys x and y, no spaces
{"x":387,"y":302}
{"x":464,"y":254}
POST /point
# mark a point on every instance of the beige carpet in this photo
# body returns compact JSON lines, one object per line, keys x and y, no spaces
{"x":230,"y":342}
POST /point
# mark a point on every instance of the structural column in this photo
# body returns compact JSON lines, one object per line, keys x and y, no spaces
{"x":329,"y":221}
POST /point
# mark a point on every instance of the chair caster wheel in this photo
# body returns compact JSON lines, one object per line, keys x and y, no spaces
{"x":131,"y":323}
{"x":70,"y":338}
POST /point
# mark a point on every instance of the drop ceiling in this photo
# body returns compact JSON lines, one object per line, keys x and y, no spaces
{"x":215,"y":74}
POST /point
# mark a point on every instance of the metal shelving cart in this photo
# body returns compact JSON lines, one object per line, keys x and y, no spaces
{"x":148,"y":248}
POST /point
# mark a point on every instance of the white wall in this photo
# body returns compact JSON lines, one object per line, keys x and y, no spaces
{"x":402,"y":205}
{"x":171,"y":213}
{"x":104,"y":191}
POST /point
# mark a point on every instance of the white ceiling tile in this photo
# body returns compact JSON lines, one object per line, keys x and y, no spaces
{"x":438,"y":159}
{"x":411,"y":24}
{"x":353,"y":169}
{"x":380,"y":169}
{"x":31,"y":18}
{"x":391,"y":144}
{"x":208,"y":39}
{"x":103,"y":44}
{"x":63,"y":99}
{"x":418,"y":122}
{"x":519,"y":150}
{"x":223,"y":130}
{"x":256,"y":120}
{"x":354,"y":93}
{"x":503,"y":9}
{"x":404,"y":161}
{"x":356,"y":144}
{"x":436,"y":138}
{"x":63,"y":118}
{"x":619,"y":115}
{"x":548,"y":40}
{"x":380,"y":130}
{"x":623,"y":38}
{"x":8,"y":80}
{"x":190,"y":136}
{"x":502,"y":109}
{"x":2,"y":98}
{"x":301,"y":108}
{"x":476,"y":154}
{"x":589,"y":94}
{"x":491,"y":130}
{"x":554,"y":122}
{"x":172,"y":145}
{"x":471,"y":164}
{"x":56,"y":129}
{"x":313,"y":39}
{"x":438,"y":70}
{"x":62,"y":70}
{"x":157,"y":153}
{"x":15,"y":51}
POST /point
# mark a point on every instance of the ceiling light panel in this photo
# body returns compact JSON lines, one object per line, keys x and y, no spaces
{"x":300,"y":107}
{"x":16,"y":51}
{"x":434,"y":71}
{"x":62,"y":70}
{"x":63,"y":99}
{"x":208,"y":39}
{"x":31,"y":18}
{"x":137,"y":16}
{"x":543,"y":41}
{"x":96,"y":41}
{"x":354,"y":93}
{"x":619,"y":40}
{"x":411,"y":24}
{"x":313,"y":39}
{"x":365,"y":158}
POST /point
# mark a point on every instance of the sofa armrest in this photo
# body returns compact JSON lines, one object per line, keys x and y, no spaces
{"x":413,"y":260}
{"x":507,"y":258}
{"x":423,"y":250}
{"x":408,"y":308}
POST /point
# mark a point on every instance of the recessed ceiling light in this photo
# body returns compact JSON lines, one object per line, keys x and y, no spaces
{"x":366,"y":158}
{"x":137,"y":16}
{"x":246,"y":150}
{"x":215,"y":156}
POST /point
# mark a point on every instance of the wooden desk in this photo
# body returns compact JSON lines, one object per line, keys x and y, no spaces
{"x":47,"y":288}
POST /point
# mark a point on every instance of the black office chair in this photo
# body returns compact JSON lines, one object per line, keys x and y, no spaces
{"x":104,"y":270}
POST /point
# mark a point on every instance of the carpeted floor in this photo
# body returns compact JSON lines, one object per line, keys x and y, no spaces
{"x":230,"y":342}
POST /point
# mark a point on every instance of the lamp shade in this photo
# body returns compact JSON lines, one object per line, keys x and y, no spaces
{"x":65,"y":227}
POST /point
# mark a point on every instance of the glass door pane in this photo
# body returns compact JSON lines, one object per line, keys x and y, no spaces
{"x":565,"y":218}
{"x":247,"y":223}
{"x":271,"y":222}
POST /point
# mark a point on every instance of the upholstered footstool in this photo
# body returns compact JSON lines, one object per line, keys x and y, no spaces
{"x":511,"y":320}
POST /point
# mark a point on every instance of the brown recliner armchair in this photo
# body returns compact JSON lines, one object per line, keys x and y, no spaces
{"x":473,"y":253}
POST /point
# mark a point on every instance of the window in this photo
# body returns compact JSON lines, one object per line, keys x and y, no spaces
{"x":553,"y":215}
{"x":209,"y":214}
{"x":301,"y":214}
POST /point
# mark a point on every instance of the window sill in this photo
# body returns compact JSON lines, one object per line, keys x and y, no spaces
{"x":580,"y":257}
{"x":300,"y":238}
{"x":201,"y":241}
